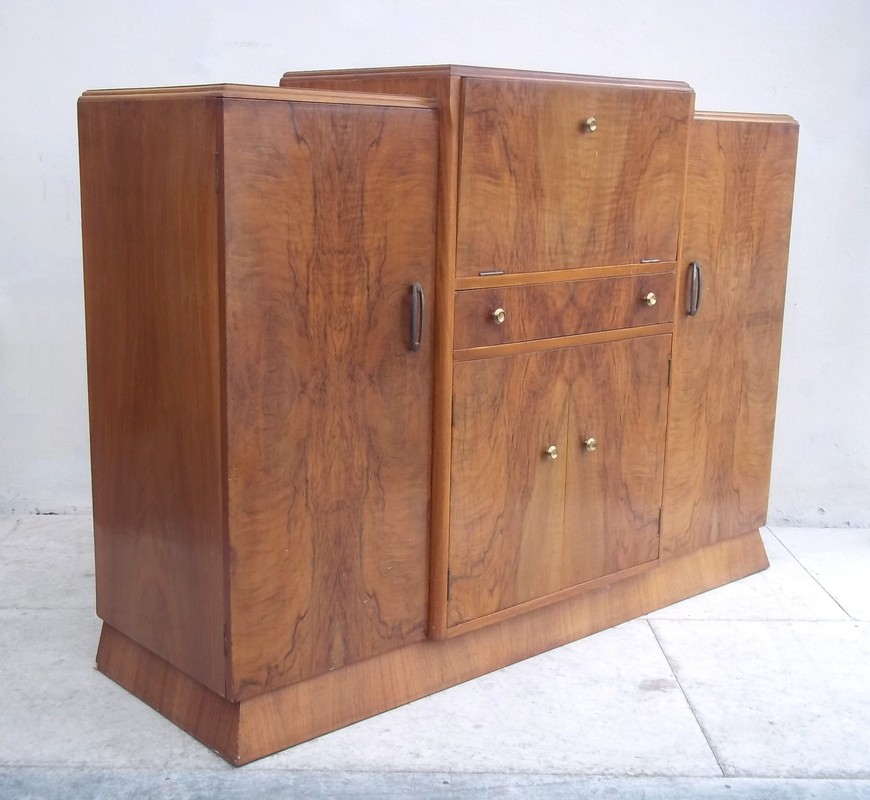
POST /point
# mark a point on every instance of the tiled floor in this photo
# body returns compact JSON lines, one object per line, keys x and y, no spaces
{"x":759,"y":689}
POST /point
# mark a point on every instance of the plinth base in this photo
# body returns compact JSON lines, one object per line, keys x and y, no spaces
{"x":244,"y":731}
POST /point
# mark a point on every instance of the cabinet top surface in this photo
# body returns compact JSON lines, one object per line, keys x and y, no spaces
{"x":458,"y":71}
{"x":730,"y":116}
{"x":245,"y":92}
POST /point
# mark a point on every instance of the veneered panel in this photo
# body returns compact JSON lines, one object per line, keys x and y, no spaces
{"x":150,"y":233}
{"x":507,"y":493}
{"x":540,"y":190}
{"x":619,"y":398}
{"x":330,"y":219}
{"x":726,"y":358}
{"x":546,"y":310}
{"x":524,"y":525}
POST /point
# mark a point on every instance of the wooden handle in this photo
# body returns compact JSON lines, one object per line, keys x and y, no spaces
{"x":418,"y":308}
{"x":694,"y":288}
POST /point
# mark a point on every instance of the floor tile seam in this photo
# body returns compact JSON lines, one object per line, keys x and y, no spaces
{"x":662,"y":776}
{"x":744,"y":775}
{"x":113,"y":770}
{"x":15,"y":526}
{"x":607,"y":776}
{"x":519,"y":773}
{"x":689,"y":703}
{"x":813,"y":577}
{"x":849,"y":621}
{"x":219,"y":770}
{"x":252,"y":769}
{"x":762,"y":620}
{"x":64,"y":608}
{"x":45,"y":519}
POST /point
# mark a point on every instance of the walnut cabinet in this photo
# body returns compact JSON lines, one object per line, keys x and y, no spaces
{"x":399,"y":376}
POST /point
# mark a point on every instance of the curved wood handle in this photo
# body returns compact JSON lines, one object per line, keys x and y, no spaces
{"x":418,"y":308}
{"x":694,"y":288}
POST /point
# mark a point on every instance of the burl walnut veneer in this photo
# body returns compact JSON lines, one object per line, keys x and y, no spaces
{"x":399,"y":376}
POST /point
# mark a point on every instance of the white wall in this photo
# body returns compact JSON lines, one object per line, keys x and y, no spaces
{"x":808,"y":58}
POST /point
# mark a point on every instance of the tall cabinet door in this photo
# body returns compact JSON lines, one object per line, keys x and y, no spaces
{"x":330,"y":223}
{"x":507,"y":482}
{"x":727,"y":340}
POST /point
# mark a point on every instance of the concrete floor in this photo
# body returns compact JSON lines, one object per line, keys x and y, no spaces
{"x":759,"y":689}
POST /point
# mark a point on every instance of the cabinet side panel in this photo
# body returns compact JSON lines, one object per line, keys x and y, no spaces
{"x":149,"y":223}
{"x":726,"y":358}
{"x":330,"y":220}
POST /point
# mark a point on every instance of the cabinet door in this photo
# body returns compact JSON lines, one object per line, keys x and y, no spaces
{"x":726,"y":357}
{"x":330,"y":220}
{"x":543,"y":187}
{"x":507,"y":492}
{"x":524,"y":525}
{"x":619,"y":400}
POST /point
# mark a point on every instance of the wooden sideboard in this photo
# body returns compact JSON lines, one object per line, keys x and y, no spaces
{"x":399,"y":376}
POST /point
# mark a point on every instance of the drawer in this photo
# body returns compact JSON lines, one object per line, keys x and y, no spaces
{"x":549,"y":310}
{"x":566,"y":175}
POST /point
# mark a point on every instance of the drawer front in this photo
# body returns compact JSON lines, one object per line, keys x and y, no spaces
{"x":557,"y":176}
{"x":548,"y":310}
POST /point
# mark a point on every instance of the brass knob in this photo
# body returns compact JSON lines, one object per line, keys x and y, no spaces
{"x":591,"y":444}
{"x":649,"y":299}
{"x":499,"y":316}
{"x":553,"y":452}
{"x":590,"y":125}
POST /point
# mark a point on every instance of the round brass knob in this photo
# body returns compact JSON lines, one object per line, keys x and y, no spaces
{"x":650,"y":299}
{"x":590,"y":125}
{"x":591,"y":444}
{"x":553,"y":452}
{"x":499,"y":316}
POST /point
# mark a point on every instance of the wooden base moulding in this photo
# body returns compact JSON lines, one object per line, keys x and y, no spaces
{"x":250,"y":729}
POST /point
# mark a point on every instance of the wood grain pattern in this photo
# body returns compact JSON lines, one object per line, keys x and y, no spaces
{"x":150,"y":234}
{"x":330,"y":219}
{"x":507,"y":495}
{"x":563,"y":275}
{"x":206,"y":715}
{"x":245,"y":92}
{"x":440,"y":85}
{"x":373,"y":75}
{"x":619,"y":396}
{"x":442,"y":417}
{"x":245,"y":731}
{"x":542,"y":345}
{"x":434,"y":83}
{"x":738,"y":214}
{"x":561,"y":309}
{"x":523,"y":525}
{"x":536,"y":192}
